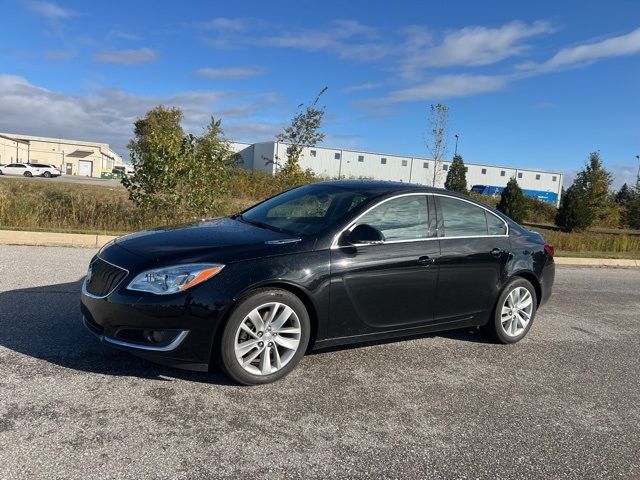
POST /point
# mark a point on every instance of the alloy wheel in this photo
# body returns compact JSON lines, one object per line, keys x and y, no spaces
{"x":267,"y":338}
{"x":516,"y":311}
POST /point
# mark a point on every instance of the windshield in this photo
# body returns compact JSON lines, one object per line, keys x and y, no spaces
{"x":305,"y":210}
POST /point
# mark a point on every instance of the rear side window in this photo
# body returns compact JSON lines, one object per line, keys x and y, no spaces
{"x":495,"y":225}
{"x":402,"y":218}
{"x":463,"y":219}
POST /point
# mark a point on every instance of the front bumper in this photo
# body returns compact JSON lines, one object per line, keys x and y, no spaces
{"x":188,"y":320}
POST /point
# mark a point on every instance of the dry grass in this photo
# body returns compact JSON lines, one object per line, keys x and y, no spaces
{"x":59,"y":206}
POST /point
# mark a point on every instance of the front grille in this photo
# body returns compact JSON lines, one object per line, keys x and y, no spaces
{"x":104,"y":278}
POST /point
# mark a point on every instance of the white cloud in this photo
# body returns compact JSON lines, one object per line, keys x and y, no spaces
{"x":229,"y":73}
{"x":121,"y":35}
{"x":51,"y":10}
{"x":127,"y":57}
{"x":108,"y":114}
{"x":446,"y":86}
{"x":226,"y":24}
{"x":348,"y":39}
{"x":58,"y":55}
{"x":361,"y":87}
{"x":469,"y":46}
{"x":623,"y":45}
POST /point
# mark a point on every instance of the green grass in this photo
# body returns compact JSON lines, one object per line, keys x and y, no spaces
{"x":96,"y":209}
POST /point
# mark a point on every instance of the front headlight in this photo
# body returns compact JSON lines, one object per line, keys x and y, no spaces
{"x":163,"y":281}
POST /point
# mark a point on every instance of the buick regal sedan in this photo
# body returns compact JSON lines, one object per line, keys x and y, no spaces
{"x":321,"y":265}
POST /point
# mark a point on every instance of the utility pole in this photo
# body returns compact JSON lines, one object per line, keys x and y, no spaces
{"x":457,"y":137}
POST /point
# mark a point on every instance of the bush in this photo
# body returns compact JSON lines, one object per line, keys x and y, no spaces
{"x":539,"y":211}
{"x":574,"y":212}
{"x":512,"y":202}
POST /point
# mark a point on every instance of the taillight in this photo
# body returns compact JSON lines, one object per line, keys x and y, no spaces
{"x":549,"y":249}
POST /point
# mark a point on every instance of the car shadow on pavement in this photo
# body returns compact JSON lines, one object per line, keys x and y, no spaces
{"x":45,"y":323}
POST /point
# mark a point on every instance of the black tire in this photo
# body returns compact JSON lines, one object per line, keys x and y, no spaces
{"x":46,"y":175}
{"x":494,"y":327}
{"x":225,"y":349}
{"x":28,"y":174}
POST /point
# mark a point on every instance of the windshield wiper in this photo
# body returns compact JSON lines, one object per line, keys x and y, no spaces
{"x":260,"y":224}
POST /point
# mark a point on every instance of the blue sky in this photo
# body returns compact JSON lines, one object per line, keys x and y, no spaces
{"x":531,"y":84}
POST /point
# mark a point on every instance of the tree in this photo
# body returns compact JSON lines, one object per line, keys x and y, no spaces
{"x":625,"y":195}
{"x":595,"y":181}
{"x":304,"y":131}
{"x":457,"y":176}
{"x":512,"y":202}
{"x":177,"y":172}
{"x":436,"y":141}
{"x":574,"y":212}
{"x":631,"y":215}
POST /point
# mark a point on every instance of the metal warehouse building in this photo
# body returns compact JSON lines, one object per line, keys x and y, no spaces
{"x":73,"y":157}
{"x":343,"y":163}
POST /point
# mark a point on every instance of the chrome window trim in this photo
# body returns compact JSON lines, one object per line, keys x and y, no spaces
{"x":175,"y":343}
{"x":334,"y":242}
{"x":91,"y":295}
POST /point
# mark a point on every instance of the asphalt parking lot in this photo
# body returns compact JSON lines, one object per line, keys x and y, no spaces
{"x":109,"y":182}
{"x":565,"y":402}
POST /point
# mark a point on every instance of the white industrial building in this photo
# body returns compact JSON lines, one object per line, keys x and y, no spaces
{"x":345,"y":163}
{"x":72,"y":157}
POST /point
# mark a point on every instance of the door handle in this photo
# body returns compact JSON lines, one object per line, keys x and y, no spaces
{"x":496,"y":252}
{"x":425,"y":261}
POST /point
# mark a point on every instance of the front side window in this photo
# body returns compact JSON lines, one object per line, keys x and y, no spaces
{"x":402,"y":218}
{"x":463,"y":219}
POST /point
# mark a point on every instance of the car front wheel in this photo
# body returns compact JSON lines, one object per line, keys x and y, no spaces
{"x":46,"y":175}
{"x":265,"y":337}
{"x":514,"y":312}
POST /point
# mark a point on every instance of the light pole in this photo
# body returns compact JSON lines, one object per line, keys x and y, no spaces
{"x":457,"y":137}
{"x":638,"y":175}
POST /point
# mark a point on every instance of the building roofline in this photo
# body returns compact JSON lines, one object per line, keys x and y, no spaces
{"x":27,"y":138}
{"x":425,"y":158}
{"x":13,"y":139}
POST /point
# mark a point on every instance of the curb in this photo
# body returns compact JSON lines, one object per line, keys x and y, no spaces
{"x":598,"y":262}
{"x":51,"y":239}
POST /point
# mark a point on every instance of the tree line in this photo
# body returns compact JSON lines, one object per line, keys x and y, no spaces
{"x":189,"y":173}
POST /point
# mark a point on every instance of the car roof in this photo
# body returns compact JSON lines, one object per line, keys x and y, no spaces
{"x":381,"y":186}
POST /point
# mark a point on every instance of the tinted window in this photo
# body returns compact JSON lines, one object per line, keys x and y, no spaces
{"x":402,"y":218}
{"x":496,"y":225}
{"x":305,"y":210}
{"x":462,"y":219}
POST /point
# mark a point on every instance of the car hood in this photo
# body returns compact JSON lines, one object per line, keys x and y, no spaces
{"x":223,"y":239}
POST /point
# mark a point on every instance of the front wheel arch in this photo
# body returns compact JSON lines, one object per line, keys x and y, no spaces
{"x":292,"y":288}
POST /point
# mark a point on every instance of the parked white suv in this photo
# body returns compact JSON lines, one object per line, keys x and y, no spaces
{"x":29,"y":170}
{"x":47,"y":169}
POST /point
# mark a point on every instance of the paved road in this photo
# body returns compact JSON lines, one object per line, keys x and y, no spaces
{"x":565,"y":402}
{"x":69,"y":179}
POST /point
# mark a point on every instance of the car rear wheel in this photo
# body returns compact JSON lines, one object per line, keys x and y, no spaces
{"x":28,"y":174}
{"x":514,"y":312}
{"x":265,"y":337}
{"x":46,"y":175}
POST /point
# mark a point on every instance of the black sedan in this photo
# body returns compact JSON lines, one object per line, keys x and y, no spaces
{"x":321,"y":265}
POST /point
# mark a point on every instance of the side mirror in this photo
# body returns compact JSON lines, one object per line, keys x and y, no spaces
{"x":363,"y":234}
